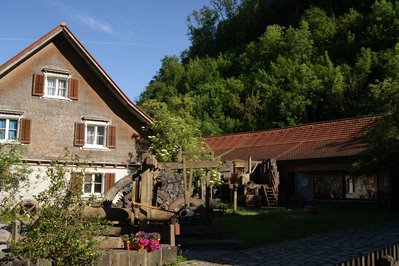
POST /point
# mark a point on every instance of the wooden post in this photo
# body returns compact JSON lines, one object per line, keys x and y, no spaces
{"x":249,"y":165}
{"x":190,"y":183}
{"x":16,"y":228}
{"x":186,"y":194}
{"x":203,"y":190}
{"x":235,"y":199}
{"x":207,"y":192}
{"x":172,"y":239}
{"x":145,"y":196}
{"x":145,"y":177}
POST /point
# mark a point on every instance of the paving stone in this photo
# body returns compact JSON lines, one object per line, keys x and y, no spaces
{"x":324,"y":249}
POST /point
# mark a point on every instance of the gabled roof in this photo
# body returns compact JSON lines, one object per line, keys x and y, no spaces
{"x":62,"y":30}
{"x":338,"y":138}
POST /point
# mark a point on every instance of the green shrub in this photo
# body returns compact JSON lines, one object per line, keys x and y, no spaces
{"x":59,"y":232}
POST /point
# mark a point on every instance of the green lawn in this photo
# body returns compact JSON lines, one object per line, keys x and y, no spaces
{"x":261,"y":227}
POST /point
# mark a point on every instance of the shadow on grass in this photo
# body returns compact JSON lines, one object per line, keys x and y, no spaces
{"x":262,"y":227}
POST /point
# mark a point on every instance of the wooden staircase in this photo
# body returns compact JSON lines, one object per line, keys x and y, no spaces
{"x":269,"y":196}
{"x":270,"y":192}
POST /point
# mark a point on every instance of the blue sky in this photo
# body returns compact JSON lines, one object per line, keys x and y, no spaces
{"x":128,"y":38}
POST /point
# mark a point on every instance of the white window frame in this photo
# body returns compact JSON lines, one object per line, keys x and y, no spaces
{"x":57,"y":77}
{"x":96,"y":124}
{"x":92,"y":184}
{"x":7,"y":127}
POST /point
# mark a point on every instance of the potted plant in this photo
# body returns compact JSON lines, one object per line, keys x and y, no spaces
{"x":142,"y":240}
{"x":128,"y":241}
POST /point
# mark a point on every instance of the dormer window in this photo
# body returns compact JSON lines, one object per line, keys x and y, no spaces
{"x":55,"y":84}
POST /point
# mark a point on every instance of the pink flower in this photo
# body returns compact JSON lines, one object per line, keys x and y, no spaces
{"x":147,"y":241}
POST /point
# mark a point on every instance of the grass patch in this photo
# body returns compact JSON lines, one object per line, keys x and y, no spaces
{"x":262,"y":227}
{"x":179,"y":259}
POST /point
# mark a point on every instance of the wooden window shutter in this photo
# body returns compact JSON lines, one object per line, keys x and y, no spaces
{"x":109,"y":181}
{"x":73,"y":89}
{"x":76,"y":183}
{"x":24,"y":135}
{"x":111,"y":143}
{"x":79,"y":139}
{"x":38,"y":85}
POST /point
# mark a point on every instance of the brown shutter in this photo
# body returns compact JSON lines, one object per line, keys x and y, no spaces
{"x":76,"y":183}
{"x":38,"y":85}
{"x":109,"y":181}
{"x":73,"y":89}
{"x":79,"y":139}
{"x":111,"y":143}
{"x":24,"y":135}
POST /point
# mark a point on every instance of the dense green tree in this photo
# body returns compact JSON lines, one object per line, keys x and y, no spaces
{"x":258,"y":64}
{"x":383,"y":152}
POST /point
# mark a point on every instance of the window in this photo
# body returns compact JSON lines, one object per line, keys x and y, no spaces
{"x":95,"y":134}
{"x":55,"y":84}
{"x":56,"y":87}
{"x":93,"y":184}
{"x":345,"y":187}
{"x":8,"y":129}
{"x":13,"y":127}
{"x":361,"y":187}
{"x":328,"y":187}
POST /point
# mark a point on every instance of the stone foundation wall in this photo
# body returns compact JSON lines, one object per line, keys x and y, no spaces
{"x":120,"y":257}
{"x":138,"y":258}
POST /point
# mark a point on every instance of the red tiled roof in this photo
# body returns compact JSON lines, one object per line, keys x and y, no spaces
{"x":336,"y":138}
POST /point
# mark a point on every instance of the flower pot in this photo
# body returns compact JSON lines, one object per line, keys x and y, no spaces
{"x":128,"y":245}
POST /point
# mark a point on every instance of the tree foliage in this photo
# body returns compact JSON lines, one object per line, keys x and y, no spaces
{"x":256,"y":64}
{"x":267,"y":64}
{"x":383,"y":151}
{"x":58,"y":231}
{"x":13,"y":177}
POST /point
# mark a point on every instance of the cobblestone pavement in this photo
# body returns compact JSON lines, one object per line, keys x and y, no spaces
{"x":324,"y":249}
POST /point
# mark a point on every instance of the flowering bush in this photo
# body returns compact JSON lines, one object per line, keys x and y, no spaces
{"x":143,"y":240}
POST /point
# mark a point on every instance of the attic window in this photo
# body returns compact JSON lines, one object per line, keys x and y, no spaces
{"x":53,"y":83}
{"x":56,"y":83}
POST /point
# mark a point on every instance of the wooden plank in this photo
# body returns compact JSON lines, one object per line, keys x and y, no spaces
{"x":172,"y":238}
{"x":185,"y":182}
{"x":372,"y":259}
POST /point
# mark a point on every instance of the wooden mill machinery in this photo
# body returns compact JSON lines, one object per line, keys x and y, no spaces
{"x":158,"y":193}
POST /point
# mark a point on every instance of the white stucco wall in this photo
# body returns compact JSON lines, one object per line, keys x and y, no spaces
{"x":39,"y":181}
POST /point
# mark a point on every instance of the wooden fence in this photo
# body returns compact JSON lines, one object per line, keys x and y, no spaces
{"x":386,"y":256}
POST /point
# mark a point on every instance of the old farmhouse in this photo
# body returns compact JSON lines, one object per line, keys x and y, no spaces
{"x":305,"y":163}
{"x":54,"y":95}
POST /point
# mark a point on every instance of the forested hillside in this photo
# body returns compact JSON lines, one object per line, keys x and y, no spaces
{"x":257,"y":64}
